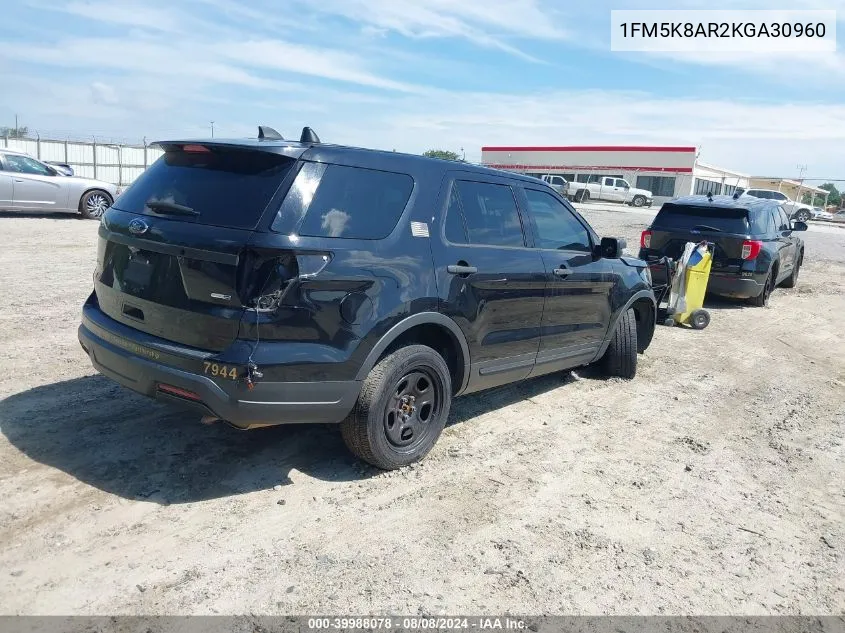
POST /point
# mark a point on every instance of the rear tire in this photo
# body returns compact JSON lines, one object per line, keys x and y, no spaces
{"x":792,"y":280}
{"x":94,"y":204}
{"x":582,"y":196}
{"x":402,"y":408}
{"x":638,"y":201}
{"x":762,"y":300}
{"x":803,"y":215}
{"x":620,"y":359}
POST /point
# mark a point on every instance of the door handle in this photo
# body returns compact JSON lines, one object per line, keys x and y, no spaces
{"x":19,"y":180}
{"x":461,"y":269}
{"x":563,"y":272}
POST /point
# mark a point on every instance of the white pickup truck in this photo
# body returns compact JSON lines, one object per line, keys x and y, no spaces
{"x":610,"y":189}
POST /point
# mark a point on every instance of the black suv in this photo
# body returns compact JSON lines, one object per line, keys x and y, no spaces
{"x":266,"y":281}
{"x":755,"y":248}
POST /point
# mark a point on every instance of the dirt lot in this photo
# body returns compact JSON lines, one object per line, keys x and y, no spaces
{"x":711,"y":484}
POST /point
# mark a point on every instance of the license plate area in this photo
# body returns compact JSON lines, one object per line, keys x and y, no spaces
{"x":138,"y":271}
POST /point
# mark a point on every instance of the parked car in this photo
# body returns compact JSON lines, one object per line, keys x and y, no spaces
{"x":63,"y":168}
{"x":266,"y":281}
{"x":611,"y":189}
{"x":755,"y":246}
{"x":797,"y":210}
{"x":835,"y":216}
{"x":27,"y":184}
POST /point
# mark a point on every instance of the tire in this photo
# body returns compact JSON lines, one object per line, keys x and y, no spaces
{"x":582,"y":195}
{"x":762,"y":300}
{"x":792,"y":280}
{"x":620,"y":359}
{"x":389,"y":426}
{"x":638,"y":201}
{"x":699,"y":319}
{"x":94,"y":203}
{"x":803,"y":215}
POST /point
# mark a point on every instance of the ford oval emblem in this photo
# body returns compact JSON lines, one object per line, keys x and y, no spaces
{"x":138,"y":227}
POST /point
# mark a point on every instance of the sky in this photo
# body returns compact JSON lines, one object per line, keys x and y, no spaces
{"x":412,"y":75}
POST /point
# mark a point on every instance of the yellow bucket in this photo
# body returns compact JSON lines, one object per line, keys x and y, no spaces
{"x":696,"y":287}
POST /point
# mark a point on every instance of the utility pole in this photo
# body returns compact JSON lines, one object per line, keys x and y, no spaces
{"x":16,"y":125}
{"x":212,"y":129}
{"x":802,"y":169}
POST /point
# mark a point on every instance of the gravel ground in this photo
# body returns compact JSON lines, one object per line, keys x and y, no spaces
{"x":710,"y":484}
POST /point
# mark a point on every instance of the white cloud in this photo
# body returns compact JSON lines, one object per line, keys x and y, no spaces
{"x":487,"y":23}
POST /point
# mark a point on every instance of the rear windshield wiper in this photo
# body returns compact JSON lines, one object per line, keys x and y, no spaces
{"x":706,"y":227}
{"x":170,"y":208}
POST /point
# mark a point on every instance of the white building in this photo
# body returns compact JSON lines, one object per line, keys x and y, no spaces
{"x":666,"y":171}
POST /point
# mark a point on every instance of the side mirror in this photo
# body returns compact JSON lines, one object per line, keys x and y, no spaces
{"x":610,"y":248}
{"x":799,"y":226}
{"x":627,"y":187}
{"x":53,"y":171}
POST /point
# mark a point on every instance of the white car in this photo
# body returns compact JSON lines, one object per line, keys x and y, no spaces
{"x":796,"y":210}
{"x":29,"y":185}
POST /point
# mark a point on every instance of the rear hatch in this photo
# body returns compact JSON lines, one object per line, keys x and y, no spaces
{"x":173,"y":257}
{"x":676,"y":224}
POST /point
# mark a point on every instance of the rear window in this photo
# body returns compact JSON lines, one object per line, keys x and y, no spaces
{"x":226,"y":187}
{"x":349,"y":202}
{"x":682,"y":218}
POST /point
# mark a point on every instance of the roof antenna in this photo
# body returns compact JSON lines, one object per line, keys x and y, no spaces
{"x":266,"y":133}
{"x":309,"y":136}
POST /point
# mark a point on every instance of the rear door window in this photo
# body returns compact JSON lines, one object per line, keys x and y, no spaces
{"x":356,"y":203}
{"x":222,"y":186}
{"x":762,"y":223}
{"x":483,"y":213}
{"x":685,"y":218}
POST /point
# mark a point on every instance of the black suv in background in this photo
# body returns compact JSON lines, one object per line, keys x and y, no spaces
{"x":265,"y":281}
{"x":754,"y":242}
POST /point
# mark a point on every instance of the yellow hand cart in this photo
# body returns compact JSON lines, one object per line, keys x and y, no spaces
{"x":686,"y":285}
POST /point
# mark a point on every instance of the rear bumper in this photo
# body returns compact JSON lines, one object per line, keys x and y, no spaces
{"x":734,"y":286}
{"x":144,"y":363}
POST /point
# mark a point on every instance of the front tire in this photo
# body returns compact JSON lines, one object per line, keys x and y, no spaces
{"x":94,"y":204}
{"x":620,"y":359}
{"x":402,"y":408}
{"x":638,"y":201}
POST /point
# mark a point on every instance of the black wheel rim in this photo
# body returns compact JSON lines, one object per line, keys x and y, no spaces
{"x":411,"y":411}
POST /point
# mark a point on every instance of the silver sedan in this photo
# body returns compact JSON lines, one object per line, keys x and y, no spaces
{"x":27,"y":184}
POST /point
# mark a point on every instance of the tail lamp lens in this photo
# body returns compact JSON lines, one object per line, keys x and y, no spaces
{"x":751,"y":248}
{"x":645,"y":239}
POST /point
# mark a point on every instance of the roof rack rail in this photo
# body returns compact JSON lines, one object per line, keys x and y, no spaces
{"x":266,"y":133}
{"x":309,"y":136}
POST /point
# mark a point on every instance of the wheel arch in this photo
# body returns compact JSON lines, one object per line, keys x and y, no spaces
{"x":645,"y":311}
{"x":427,"y":328}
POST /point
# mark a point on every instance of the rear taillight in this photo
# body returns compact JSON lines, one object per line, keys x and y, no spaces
{"x":751,"y":248}
{"x":645,"y":239}
{"x":278,"y":274}
{"x":196,"y":149}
